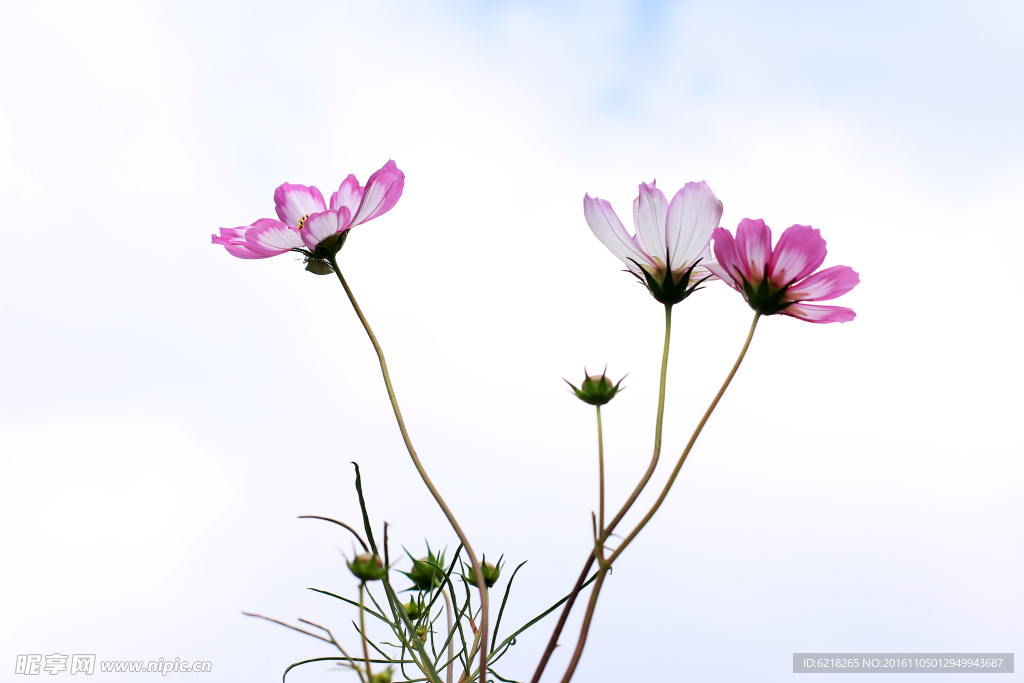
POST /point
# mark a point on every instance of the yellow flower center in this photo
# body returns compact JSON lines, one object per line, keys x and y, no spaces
{"x":302,"y":221}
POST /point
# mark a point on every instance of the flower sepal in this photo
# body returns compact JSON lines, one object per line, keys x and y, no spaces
{"x":490,"y":572}
{"x":318,"y":261}
{"x":426,"y":572}
{"x":595,"y":389}
{"x":318,"y":267}
{"x":414,"y":608}
{"x":762,"y":299}
{"x":368,"y":567}
{"x":331,"y":245}
{"x":666,"y":288}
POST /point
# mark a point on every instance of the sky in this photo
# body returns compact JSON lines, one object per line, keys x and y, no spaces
{"x":167,"y":410}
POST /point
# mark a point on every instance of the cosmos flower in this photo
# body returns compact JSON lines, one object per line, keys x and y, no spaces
{"x":669,"y":250}
{"x":781,"y":280}
{"x":305,"y":222}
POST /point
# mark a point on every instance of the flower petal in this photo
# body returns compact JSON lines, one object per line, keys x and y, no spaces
{"x":820,"y":314}
{"x":233,"y":240}
{"x":607,"y":227}
{"x":704,"y":272}
{"x":754,"y":247}
{"x":269,"y":237}
{"x":382,"y":192}
{"x":229,"y":235}
{"x":693,"y":214}
{"x":242,"y":250}
{"x":729,"y":267}
{"x":824,"y":285}
{"x":649,"y":211}
{"x":349,"y":194}
{"x":295,"y":201}
{"x":800,"y":252}
{"x":320,"y":226}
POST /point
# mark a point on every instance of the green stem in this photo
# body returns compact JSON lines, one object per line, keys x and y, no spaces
{"x":657,"y":429}
{"x":607,"y":531}
{"x":451,"y":634}
{"x":477,"y":569}
{"x":657,"y":504}
{"x":362,"y":631}
{"x":600,"y":467}
{"x":689,"y":445}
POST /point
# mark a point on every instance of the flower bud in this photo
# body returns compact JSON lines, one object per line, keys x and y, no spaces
{"x":367,"y":567}
{"x":414,"y":609}
{"x":596,"y":389}
{"x":421,"y":633}
{"x":490,"y":572}
{"x":427,"y":572}
{"x":382,"y":677}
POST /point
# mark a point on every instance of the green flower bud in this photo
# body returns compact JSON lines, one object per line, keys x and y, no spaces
{"x":427,"y":572}
{"x":367,"y":567}
{"x":596,"y":389}
{"x":382,"y":677}
{"x":414,"y":609}
{"x":490,"y":572}
{"x":421,"y":633}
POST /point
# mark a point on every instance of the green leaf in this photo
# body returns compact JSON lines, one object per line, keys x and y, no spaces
{"x":501,"y":611}
{"x":495,"y":673}
{"x":548,"y":611}
{"x":353,"y":602}
{"x":362,"y":506}
{"x":341,"y":524}
{"x":342,"y":659}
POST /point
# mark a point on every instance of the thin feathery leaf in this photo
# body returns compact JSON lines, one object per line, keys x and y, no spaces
{"x":370,"y":642}
{"x":548,"y":611}
{"x":341,"y":524}
{"x":504,"y":600}
{"x":362,"y":507}
{"x":496,"y":675}
{"x":353,"y":602}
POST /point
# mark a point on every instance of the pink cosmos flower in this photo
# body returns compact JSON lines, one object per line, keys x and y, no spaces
{"x":306,"y":222}
{"x":670,"y":239}
{"x":780,"y":280}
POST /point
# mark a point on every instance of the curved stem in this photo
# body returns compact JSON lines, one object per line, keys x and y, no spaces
{"x":585,"y":629}
{"x":477,"y":569}
{"x":553,"y":642}
{"x":689,"y":446}
{"x":606,"y":531}
{"x":600,"y":467}
{"x":657,"y":504}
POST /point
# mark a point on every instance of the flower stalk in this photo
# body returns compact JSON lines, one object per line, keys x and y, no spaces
{"x":600,"y":468}
{"x":607,"y":531}
{"x":591,"y":606}
{"x":477,"y":568}
{"x":362,"y":631}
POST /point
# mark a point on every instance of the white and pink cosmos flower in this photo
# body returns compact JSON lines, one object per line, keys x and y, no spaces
{"x":669,"y":248}
{"x":305,"y":220}
{"x":780,"y":280}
